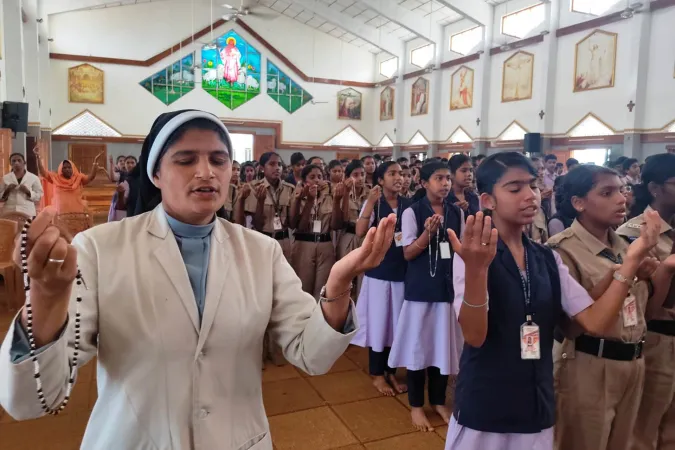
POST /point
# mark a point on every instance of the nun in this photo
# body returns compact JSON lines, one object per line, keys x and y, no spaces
{"x":175,"y":303}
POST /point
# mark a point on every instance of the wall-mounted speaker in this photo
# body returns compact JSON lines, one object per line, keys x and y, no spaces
{"x":15,"y":116}
{"x":533,"y":143}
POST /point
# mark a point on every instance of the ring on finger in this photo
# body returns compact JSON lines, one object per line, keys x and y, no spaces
{"x":56,"y":261}
{"x":484,"y":244}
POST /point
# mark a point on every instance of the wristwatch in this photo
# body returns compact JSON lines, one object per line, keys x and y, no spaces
{"x":618,"y":277}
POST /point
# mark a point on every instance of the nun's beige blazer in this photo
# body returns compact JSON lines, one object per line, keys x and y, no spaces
{"x":165,"y":381}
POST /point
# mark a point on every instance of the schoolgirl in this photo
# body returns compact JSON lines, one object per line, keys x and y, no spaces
{"x":356,"y":194}
{"x":655,"y":425}
{"x":462,"y":193}
{"x":336,"y":173}
{"x":247,"y":172}
{"x":509,"y":294}
{"x":236,"y":173}
{"x":427,"y":340}
{"x":599,"y":375}
{"x":315,"y":212}
{"x":407,"y":181}
{"x":370,"y":166}
{"x":269,"y":206}
{"x":382,"y":290}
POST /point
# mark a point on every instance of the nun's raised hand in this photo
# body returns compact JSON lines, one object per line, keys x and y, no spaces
{"x":478,"y":245}
{"x":52,"y":267}
{"x":371,"y":253}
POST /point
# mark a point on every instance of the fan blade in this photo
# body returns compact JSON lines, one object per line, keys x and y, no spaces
{"x":228,"y":17}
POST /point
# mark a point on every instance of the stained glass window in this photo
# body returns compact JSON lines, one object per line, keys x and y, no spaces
{"x":286,"y":92}
{"x":172,"y":82}
{"x":231,"y":70}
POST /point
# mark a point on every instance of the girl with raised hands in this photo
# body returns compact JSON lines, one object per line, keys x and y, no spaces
{"x":509,"y":295}
{"x":382,"y":291}
{"x":428,"y":341}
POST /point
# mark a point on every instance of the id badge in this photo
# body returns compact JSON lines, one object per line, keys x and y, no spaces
{"x":445,"y":250}
{"x":277,"y":223}
{"x":398,"y":238}
{"x":529,"y":341}
{"x":316,"y":228}
{"x":629,"y":311}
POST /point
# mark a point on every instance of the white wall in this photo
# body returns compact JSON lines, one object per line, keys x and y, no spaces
{"x":115,"y":32}
{"x":131,"y":109}
{"x":659,"y":104}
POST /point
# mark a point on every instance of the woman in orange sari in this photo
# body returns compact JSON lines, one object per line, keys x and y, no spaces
{"x":68,"y":183}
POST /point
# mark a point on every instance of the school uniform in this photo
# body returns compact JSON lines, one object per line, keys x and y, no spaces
{"x":502,"y":401}
{"x":470,"y":197}
{"x":381,"y":295}
{"x":655,"y":425}
{"x":275,"y":211}
{"x":538,"y":230}
{"x":599,"y":379}
{"x":347,"y":239}
{"x":313,"y":253}
{"x":227,"y":211}
{"x":427,"y":334}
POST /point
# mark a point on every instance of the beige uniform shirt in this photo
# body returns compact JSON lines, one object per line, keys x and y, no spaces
{"x":663,"y":249}
{"x":582,"y":254}
{"x":322,"y":210}
{"x":356,"y":203}
{"x":230,"y":200}
{"x":277,"y":202}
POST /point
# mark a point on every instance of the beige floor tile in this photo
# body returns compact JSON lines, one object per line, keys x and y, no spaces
{"x":375,"y":419}
{"x":315,"y":429}
{"x":285,"y":396}
{"x":442,"y":431}
{"x":344,"y":387}
{"x":277,"y":373}
{"x":413,"y":441}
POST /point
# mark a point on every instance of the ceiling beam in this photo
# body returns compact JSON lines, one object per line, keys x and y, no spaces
{"x":477,"y":11}
{"x":62,"y":6}
{"x":403,"y":17}
{"x":369,"y":34}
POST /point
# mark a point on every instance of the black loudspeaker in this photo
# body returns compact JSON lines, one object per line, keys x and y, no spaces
{"x":533,"y":143}
{"x":15,"y":116}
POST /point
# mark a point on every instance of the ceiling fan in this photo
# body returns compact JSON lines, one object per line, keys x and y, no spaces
{"x":248,"y":8}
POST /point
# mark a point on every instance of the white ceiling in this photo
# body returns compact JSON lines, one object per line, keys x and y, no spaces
{"x":397,"y":21}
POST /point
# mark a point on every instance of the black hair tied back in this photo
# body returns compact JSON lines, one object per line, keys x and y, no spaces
{"x":578,"y":183}
{"x":658,"y":169}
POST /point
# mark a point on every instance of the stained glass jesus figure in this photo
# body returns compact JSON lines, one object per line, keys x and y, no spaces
{"x":231,"y":58}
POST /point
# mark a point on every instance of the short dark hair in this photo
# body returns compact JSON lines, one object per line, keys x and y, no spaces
{"x":457,"y":160}
{"x":495,"y":166}
{"x":550,"y":157}
{"x":265,"y":157}
{"x":297,"y":158}
{"x":625,"y":165}
{"x":17,"y":154}
{"x":571,"y":162}
{"x":578,"y":183}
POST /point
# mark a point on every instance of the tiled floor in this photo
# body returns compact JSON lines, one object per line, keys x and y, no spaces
{"x":340,"y":410}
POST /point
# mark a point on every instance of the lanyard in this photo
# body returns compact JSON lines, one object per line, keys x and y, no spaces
{"x":527,"y":289}
{"x":609,"y":255}
{"x":399,"y":213}
{"x":275,"y":201}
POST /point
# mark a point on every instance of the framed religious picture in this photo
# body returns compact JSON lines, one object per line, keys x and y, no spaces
{"x":461,"y":89}
{"x":517,"y":77}
{"x":419,"y":101}
{"x":85,"y":84}
{"x":595,"y":61}
{"x":387,"y":98}
{"x":349,"y":104}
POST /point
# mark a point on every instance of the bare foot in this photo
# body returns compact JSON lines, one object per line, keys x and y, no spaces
{"x":381,"y":385}
{"x":443,"y":411}
{"x":400,"y":388}
{"x":420,"y":420}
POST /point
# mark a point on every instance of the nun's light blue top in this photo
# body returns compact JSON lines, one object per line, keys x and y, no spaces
{"x":194,"y":243}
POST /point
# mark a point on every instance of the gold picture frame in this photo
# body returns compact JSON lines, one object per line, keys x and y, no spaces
{"x":518,"y":77}
{"x":349,"y":104}
{"x":86,"y":84}
{"x":461,"y":88}
{"x":419,"y":98}
{"x":387,"y":103}
{"x":595,"y":61}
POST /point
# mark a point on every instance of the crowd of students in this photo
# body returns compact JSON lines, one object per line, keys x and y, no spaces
{"x":547,"y":292}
